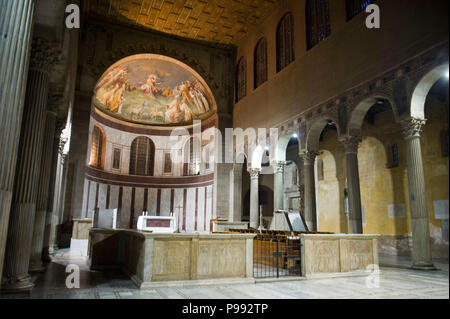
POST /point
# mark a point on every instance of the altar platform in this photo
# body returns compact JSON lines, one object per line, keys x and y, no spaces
{"x":155,"y":259}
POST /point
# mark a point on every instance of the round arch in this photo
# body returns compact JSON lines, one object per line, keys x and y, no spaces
{"x":315,"y":130}
{"x":241,"y":158}
{"x":192,"y":149}
{"x":283,"y":142}
{"x":142,"y":156}
{"x":360,"y":111}
{"x":422,"y":88}
{"x":257,"y":157}
{"x":98,"y":148}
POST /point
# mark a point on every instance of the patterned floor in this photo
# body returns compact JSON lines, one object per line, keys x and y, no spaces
{"x":394,"y":283}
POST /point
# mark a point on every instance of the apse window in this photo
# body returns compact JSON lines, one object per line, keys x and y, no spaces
{"x":96,"y":158}
{"x":167,"y":163}
{"x":192,"y":151}
{"x":354,"y":7}
{"x":142,"y":156}
{"x":116,"y":158}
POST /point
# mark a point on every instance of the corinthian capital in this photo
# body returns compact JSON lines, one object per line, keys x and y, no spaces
{"x":351,"y":144}
{"x":43,"y":55}
{"x":254,"y":173}
{"x":412,"y":127}
{"x":279,"y":166}
{"x":308,"y":157}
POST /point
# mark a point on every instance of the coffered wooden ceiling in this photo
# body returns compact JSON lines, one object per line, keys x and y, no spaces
{"x":217,"y":21}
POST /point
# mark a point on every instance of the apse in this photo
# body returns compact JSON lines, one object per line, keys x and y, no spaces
{"x":133,"y":164}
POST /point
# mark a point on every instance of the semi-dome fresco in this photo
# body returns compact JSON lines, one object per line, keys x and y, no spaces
{"x":153,"y":89}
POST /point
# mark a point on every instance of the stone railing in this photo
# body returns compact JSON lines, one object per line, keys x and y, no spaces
{"x":153,"y":260}
{"x":341,"y":253}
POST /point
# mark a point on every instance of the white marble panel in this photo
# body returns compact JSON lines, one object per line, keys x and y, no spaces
{"x":208,"y":206}
{"x":102,"y":192}
{"x":165,"y":202}
{"x":114,"y":197}
{"x":201,"y":210}
{"x":178,"y":202}
{"x":92,"y":191}
{"x":152,"y":198}
{"x":126,"y":207}
{"x":138,"y":201}
{"x":190,"y":210}
{"x":85,"y":195}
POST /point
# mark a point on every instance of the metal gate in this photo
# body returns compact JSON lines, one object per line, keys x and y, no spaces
{"x":276,"y":256}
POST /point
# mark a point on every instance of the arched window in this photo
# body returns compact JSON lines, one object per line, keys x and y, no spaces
{"x":260,"y":60}
{"x":241,"y":79}
{"x":317,"y":21}
{"x":192,"y":152}
{"x":354,"y":7}
{"x":285,"y":42}
{"x":97,"y":148}
{"x":142,"y":156}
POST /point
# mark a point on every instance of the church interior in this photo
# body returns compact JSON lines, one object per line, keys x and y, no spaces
{"x":254,"y":149}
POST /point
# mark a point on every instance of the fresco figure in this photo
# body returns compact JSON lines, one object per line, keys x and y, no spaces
{"x":173,"y":111}
{"x":188,"y":114}
{"x":150,"y":87}
{"x":116,"y":98}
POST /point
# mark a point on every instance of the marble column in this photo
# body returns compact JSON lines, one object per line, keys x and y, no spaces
{"x":236,"y":193}
{"x":42,"y":197}
{"x":309,"y":158}
{"x":57,"y":202}
{"x":53,"y":188}
{"x":254,"y":198}
{"x":421,"y":251}
{"x":23,"y":208}
{"x":16,"y":20}
{"x":354,"y":193}
{"x":279,"y":185}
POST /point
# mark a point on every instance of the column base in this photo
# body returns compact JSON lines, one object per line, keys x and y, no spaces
{"x":52,"y":250}
{"x":423,"y":267}
{"x":37,"y":267}
{"x":46,"y":257}
{"x":17,"y":285}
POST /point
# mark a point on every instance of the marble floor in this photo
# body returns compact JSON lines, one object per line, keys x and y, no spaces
{"x":396,"y":281}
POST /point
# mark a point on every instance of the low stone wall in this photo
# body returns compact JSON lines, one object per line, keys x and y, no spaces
{"x":151,"y":258}
{"x":339,"y":253}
